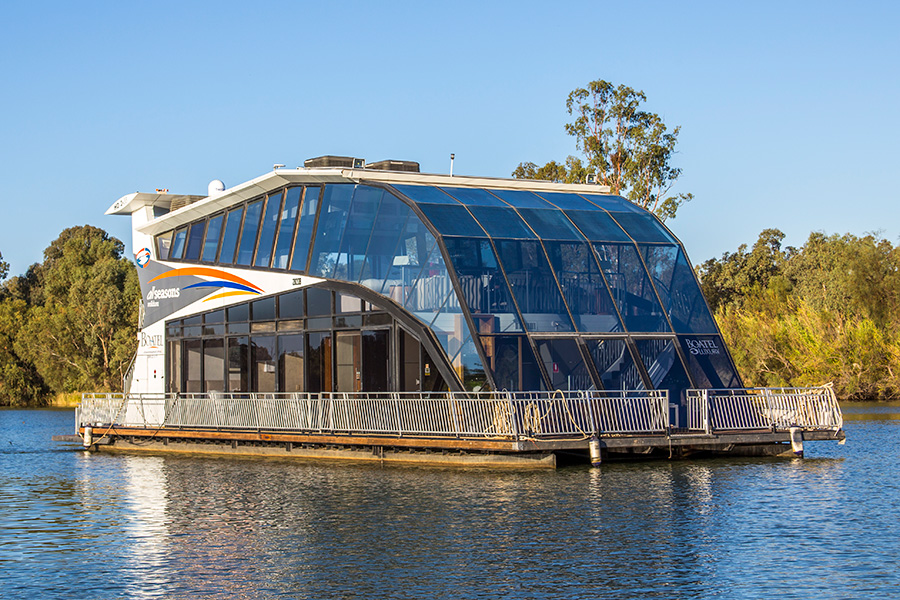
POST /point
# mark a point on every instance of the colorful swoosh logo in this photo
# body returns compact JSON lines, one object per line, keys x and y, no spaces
{"x":221,"y":279}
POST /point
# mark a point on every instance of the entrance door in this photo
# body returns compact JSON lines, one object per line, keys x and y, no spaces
{"x":376,"y":351}
{"x":349,"y":365}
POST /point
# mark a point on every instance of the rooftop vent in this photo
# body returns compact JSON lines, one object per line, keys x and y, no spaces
{"x":395,"y":165}
{"x":335,"y":161}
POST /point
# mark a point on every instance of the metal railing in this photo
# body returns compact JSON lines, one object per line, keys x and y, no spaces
{"x":508,"y":415}
{"x":776,"y":409}
{"x":511,"y":415}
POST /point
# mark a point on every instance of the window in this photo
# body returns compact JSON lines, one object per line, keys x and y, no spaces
{"x":248,"y":233}
{"x":230,"y":238}
{"x":286,"y":228}
{"x":269,"y":228}
{"x":211,"y":244}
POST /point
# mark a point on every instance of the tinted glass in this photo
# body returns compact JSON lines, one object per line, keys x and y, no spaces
{"x":290,"y":305}
{"x":583,"y":286}
{"x":286,"y":223}
{"x":214,"y":365}
{"x":564,"y":364}
{"x":689,"y":311}
{"x":265,"y":357}
{"x":178,"y":244}
{"x":452,"y":220}
{"x":630,"y":287}
{"x":420,"y":277}
{"x":664,"y":366}
{"x":305,"y":228}
{"x":357,"y":232}
{"x":531,"y":281}
{"x":550,"y":224}
{"x":501,"y":222}
{"x":567,"y":201}
{"x":385,"y":248}
{"x":194,"y":241}
{"x":263,"y":310}
{"x":239,"y":364}
{"x":482,"y":285}
{"x":615,"y":204}
{"x":513,"y":363}
{"x":597,"y":226}
{"x":248,"y":233}
{"x":318,"y":302}
{"x":319,"y":362}
{"x":290,"y":362}
{"x":332,"y":219}
{"x":163,"y":244}
{"x":211,"y":244}
{"x":615,"y":364}
{"x":267,"y":234}
{"x":241,"y":312}
{"x":709,"y":362}
{"x":644,"y":228}
{"x":425,"y":194}
{"x":474,"y":197}
{"x":521,"y":198}
{"x":230,"y":237}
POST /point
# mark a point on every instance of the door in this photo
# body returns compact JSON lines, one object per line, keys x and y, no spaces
{"x":348,"y":361}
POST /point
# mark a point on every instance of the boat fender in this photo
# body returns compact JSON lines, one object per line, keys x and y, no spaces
{"x":88,"y":438}
{"x":596,"y":456}
{"x":797,"y":441}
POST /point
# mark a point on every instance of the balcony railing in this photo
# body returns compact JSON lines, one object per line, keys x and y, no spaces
{"x":508,"y":415}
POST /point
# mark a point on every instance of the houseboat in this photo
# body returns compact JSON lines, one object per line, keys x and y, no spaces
{"x":367,"y":311}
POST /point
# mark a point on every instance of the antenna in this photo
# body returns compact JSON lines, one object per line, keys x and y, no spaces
{"x":452,"y":156}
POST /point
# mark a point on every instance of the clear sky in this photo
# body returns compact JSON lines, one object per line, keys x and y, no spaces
{"x":789,"y":110}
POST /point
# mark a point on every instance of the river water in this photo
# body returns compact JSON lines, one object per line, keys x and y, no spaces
{"x":88,"y":525}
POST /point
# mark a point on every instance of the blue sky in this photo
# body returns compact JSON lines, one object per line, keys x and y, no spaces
{"x":789,"y":110}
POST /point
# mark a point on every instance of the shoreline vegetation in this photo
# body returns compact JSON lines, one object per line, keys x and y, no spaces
{"x":826,"y":312}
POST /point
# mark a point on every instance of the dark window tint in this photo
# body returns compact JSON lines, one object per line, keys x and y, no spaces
{"x":239,"y":364}
{"x":248,"y":233}
{"x":550,"y":224}
{"x":630,"y":287}
{"x":501,"y":222}
{"x":474,"y":197}
{"x":263,"y":310}
{"x":211,"y":244}
{"x":597,"y":226}
{"x":664,"y":366}
{"x":290,"y":363}
{"x":230,"y":237}
{"x":290,"y":305}
{"x":425,"y":194}
{"x":567,"y":201}
{"x":521,"y":198}
{"x":564,"y":364}
{"x":319,"y":361}
{"x":643,"y":227}
{"x":615,"y":364}
{"x":452,"y":220}
{"x":583,"y":286}
{"x":513,"y":363}
{"x":318,"y":302}
{"x":532,"y":283}
{"x":195,"y":241}
{"x":241,"y":312}
{"x":286,"y":228}
{"x":264,"y":370}
{"x":708,"y":362}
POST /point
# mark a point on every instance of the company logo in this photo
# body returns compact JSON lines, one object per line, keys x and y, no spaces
{"x":142,"y":257}
{"x":236,"y":286}
{"x":702,"y":347}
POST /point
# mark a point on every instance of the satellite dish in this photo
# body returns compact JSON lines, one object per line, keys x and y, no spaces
{"x":215,"y":187}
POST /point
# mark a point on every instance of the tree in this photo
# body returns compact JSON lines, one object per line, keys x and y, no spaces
{"x":4,"y":267}
{"x":83,"y":334}
{"x":626,"y":148}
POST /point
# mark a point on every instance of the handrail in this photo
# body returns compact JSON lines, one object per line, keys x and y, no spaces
{"x":574,"y":414}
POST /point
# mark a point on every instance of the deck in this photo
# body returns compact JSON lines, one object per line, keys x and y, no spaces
{"x":512,"y":429}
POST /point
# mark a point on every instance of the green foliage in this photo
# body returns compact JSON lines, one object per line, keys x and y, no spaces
{"x":825,"y":312}
{"x":4,"y":267}
{"x":625,"y":147}
{"x":75,"y":319}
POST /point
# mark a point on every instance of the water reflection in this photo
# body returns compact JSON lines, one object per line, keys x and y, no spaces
{"x":180,"y":526}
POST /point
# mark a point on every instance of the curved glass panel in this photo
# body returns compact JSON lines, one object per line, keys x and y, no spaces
{"x":615,"y":204}
{"x":211,"y":244}
{"x":583,"y":287}
{"x":678,"y":289}
{"x":521,"y":198}
{"x":332,"y":219}
{"x":452,"y":219}
{"x":414,"y":258}
{"x":305,"y":227}
{"x":482,"y":285}
{"x":230,"y":237}
{"x":248,"y":233}
{"x":267,"y":234}
{"x":286,"y":227}
{"x":598,"y":226}
{"x":644,"y":228}
{"x":550,"y":224}
{"x":567,"y":201}
{"x":357,"y":232}
{"x":424,"y":194}
{"x":531,"y":281}
{"x":384,"y":246}
{"x":502,"y":222}
{"x":474,"y":196}
{"x":630,"y":287}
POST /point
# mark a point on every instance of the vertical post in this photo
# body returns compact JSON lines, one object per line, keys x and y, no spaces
{"x":707,"y":425}
{"x":396,"y":399}
{"x":453,"y":411}
{"x":769,"y":409}
{"x":512,"y":416}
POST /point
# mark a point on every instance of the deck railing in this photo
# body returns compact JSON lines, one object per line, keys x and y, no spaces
{"x":509,"y":415}
{"x":776,"y":409}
